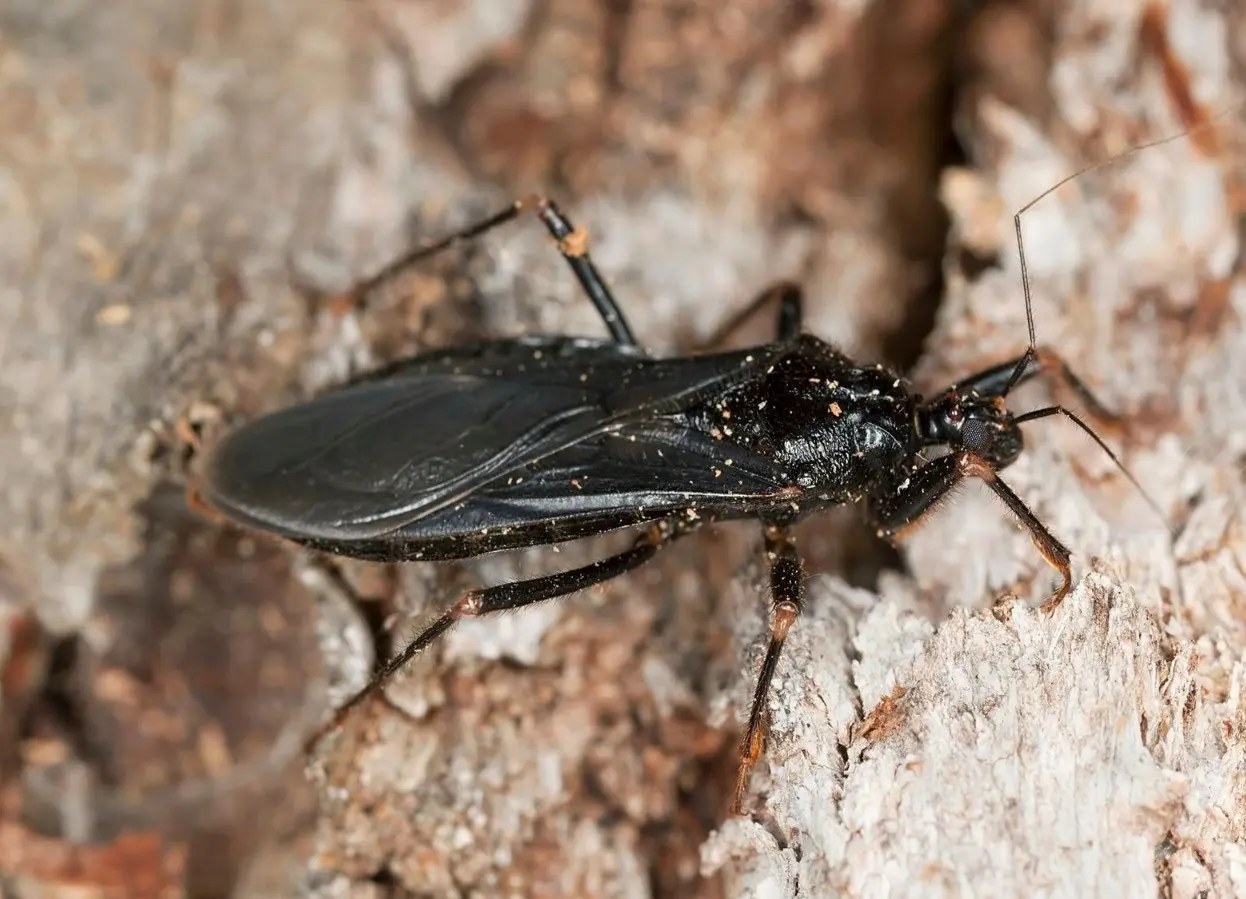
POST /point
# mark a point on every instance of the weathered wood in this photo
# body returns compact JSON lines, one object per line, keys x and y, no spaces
{"x":926,"y":743}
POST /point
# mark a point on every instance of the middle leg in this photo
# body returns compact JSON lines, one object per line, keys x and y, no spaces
{"x":788,"y":321}
{"x":787,"y":588}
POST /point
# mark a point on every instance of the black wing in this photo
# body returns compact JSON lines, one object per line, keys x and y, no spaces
{"x":417,"y":443}
{"x":643,"y":472}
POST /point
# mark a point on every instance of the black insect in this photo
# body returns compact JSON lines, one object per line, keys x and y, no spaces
{"x":510,"y":443}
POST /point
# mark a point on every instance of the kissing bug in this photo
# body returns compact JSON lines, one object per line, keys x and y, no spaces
{"x":508,"y":443}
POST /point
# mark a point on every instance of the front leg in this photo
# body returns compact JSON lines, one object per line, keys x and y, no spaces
{"x":895,"y":513}
{"x":1050,"y":366}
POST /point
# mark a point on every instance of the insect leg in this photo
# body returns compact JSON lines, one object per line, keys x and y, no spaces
{"x":572,"y":243}
{"x":895,"y":514}
{"x":401,"y":263}
{"x":505,"y":597}
{"x":787,"y":587}
{"x":1055,"y":370}
{"x":1049,"y":365}
{"x":789,"y":297}
{"x":201,"y":507}
{"x":791,"y":311}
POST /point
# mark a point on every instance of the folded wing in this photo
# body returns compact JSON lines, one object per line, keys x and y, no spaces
{"x":429,"y":435}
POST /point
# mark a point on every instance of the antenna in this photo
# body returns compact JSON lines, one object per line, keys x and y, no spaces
{"x":1032,"y":351}
{"x":1048,"y":411}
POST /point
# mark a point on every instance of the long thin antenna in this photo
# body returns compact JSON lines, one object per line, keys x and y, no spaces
{"x":1024,"y":361}
{"x":1048,"y":411}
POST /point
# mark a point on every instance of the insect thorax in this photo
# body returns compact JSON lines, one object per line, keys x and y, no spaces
{"x":833,"y":425}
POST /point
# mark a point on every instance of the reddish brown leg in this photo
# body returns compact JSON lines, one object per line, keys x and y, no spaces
{"x":787,"y":587}
{"x":201,"y":507}
{"x":1049,"y":365}
{"x":1057,"y":372}
{"x":900,"y":511}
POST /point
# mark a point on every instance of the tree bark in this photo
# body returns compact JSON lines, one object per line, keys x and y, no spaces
{"x":165,"y":186}
{"x":932,"y":740}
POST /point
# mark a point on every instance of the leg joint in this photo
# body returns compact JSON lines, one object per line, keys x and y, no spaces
{"x":785,"y":615}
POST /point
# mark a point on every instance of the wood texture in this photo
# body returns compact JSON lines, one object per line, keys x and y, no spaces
{"x":931,"y":741}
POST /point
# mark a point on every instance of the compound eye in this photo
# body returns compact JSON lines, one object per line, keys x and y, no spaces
{"x":977,"y":436}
